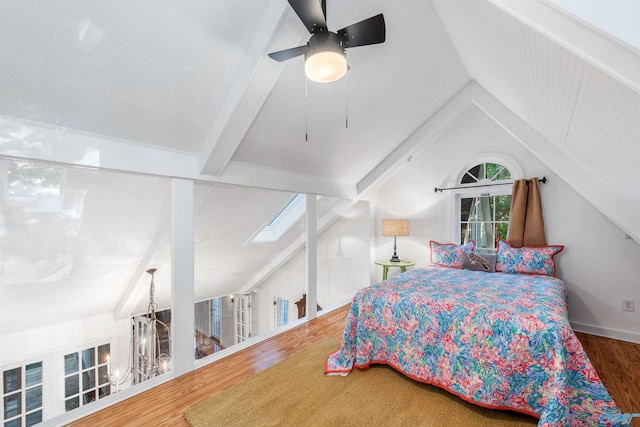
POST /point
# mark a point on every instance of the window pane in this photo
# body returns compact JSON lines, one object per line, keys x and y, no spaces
{"x":71,"y":385}
{"x":70,"y":363}
{"x":88,"y":380}
{"x":104,"y":391}
{"x":12,"y":380}
{"x":216,"y":318}
{"x":285,"y":312}
{"x":88,"y":358}
{"x":471,"y":176}
{"x":465,"y":208}
{"x":88,"y":397}
{"x":33,"y":397}
{"x":503,"y":207}
{"x":485,"y":235}
{"x":103,"y":353}
{"x":504,"y":174}
{"x":482,"y":209}
{"x":501,"y":230}
{"x":71,"y":404}
{"x":13,"y":423}
{"x":12,"y":405}
{"x":102,"y":375}
{"x":464,"y":230}
{"x":33,"y":374}
{"x":33,"y":418}
{"x":493,"y":170}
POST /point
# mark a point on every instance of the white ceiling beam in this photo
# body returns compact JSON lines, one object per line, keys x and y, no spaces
{"x":597,"y":190}
{"x":424,"y":136}
{"x":276,"y":179}
{"x":253,"y":83}
{"x":33,"y":142}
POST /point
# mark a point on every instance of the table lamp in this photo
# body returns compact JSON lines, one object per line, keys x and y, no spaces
{"x":395,"y":228}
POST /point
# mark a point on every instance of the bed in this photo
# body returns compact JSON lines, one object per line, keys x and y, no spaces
{"x":498,"y":340}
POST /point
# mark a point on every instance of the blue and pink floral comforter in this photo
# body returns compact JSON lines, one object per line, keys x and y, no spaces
{"x":498,"y":340}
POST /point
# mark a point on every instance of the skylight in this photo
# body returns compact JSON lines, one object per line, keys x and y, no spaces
{"x":283,"y":220}
{"x":619,"y":18}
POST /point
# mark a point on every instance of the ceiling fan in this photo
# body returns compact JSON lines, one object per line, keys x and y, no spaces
{"x":324,"y":53}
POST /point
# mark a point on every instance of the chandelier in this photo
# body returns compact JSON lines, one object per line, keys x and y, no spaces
{"x":149,"y":348}
{"x":151,"y":342}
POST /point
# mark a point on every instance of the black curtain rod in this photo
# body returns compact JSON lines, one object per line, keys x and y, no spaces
{"x":542,"y":180}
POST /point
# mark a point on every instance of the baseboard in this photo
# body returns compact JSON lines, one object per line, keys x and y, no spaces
{"x":616,"y":334}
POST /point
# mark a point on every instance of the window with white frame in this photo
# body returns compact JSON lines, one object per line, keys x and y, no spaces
{"x":243,"y":318}
{"x":216,"y":318}
{"x":86,"y":376}
{"x":483,"y":205}
{"x":280,"y":311}
{"x":22,"y":395}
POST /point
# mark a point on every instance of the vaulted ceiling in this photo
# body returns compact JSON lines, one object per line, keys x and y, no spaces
{"x":186,"y":89}
{"x":188,"y":86}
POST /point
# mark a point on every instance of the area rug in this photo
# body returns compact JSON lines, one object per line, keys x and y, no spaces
{"x":296,"y":392}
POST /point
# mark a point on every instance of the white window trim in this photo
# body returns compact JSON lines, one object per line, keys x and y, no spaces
{"x":24,"y":412}
{"x":455,"y":195}
{"x":282,"y":221}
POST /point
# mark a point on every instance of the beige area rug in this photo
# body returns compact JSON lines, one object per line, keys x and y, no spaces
{"x":296,"y":392}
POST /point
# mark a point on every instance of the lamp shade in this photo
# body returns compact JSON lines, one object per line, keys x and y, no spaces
{"x":395,"y":227}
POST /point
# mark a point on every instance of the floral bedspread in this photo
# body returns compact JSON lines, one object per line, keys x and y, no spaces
{"x":498,"y":340}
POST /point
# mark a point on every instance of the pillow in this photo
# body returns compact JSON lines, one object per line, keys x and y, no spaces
{"x":527,"y":260}
{"x":450,"y":254}
{"x":480,"y":262}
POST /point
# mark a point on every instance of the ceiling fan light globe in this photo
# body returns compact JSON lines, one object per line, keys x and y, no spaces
{"x":325,"y":66}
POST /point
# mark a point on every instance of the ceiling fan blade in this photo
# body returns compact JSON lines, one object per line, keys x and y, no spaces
{"x":311,"y":13}
{"x":369,"y":31}
{"x":283,"y":55}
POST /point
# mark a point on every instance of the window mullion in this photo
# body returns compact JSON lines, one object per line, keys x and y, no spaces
{"x":480,"y":228}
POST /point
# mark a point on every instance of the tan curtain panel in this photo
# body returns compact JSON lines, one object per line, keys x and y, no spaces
{"x":526,"y":226}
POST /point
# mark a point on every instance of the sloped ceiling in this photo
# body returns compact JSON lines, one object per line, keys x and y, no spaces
{"x":579,"y":90}
{"x":192,"y":78}
{"x":185,"y":89}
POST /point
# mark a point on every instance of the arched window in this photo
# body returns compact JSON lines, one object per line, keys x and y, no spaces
{"x":484,"y":204}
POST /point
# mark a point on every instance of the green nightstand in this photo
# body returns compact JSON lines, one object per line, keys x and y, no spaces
{"x":385,"y":263}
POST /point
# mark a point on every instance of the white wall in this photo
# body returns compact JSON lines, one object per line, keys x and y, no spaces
{"x":598,"y":265}
{"x":49,"y":343}
{"x":339,"y":277}
{"x":288,"y":282}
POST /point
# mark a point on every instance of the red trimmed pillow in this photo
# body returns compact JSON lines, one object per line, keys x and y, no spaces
{"x":527,"y":260}
{"x":450,"y":254}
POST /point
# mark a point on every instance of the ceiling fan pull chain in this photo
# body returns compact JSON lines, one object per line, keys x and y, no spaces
{"x":346,"y":99}
{"x":306,"y":112}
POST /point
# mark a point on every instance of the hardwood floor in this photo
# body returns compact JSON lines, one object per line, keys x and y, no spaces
{"x":617,"y":362}
{"x":618,"y":365}
{"x":164,"y":405}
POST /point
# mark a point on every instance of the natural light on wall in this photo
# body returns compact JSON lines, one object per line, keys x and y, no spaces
{"x":619,"y":18}
{"x":74,"y":243}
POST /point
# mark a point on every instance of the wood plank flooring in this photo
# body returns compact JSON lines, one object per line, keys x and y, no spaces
{"x":617,"y":362}
{"x":618,"y":365}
